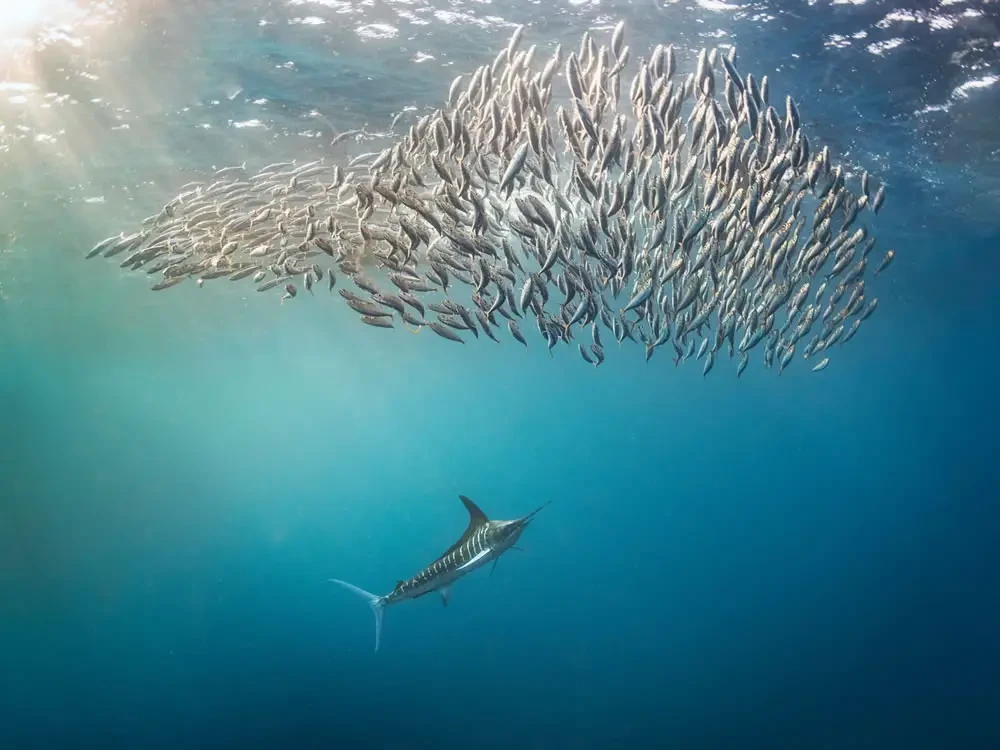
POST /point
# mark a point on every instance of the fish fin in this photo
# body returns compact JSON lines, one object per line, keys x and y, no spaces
{"x":476,"y":516}
{"x":476,"y":519}
{"x":472,"y":563}
{"x":445,"y":595}
{"x":377,"y":603}
{"x":494,"y":566}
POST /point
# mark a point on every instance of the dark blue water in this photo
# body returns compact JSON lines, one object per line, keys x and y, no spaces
{"x":807,"y":561}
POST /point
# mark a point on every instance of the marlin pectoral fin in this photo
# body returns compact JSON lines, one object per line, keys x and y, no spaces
{"x":445,"y":595}
{"x":472,"y":563}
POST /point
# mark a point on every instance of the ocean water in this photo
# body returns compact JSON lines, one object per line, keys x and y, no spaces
{"x":804,"y":561}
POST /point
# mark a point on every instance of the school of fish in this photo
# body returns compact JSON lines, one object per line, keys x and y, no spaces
{"x":677,"y":211}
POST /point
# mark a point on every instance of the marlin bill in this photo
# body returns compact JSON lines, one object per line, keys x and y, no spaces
{"x":484,"y":541}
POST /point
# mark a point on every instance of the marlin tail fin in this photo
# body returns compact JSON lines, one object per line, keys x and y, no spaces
{"x":377,"y":603}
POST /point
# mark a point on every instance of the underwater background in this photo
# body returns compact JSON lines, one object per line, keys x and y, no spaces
{"x":807,"y":561}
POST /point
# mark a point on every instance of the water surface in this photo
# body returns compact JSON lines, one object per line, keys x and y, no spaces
{"x":805,"y":561}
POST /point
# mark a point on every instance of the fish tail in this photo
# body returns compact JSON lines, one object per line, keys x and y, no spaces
{"x":377,"y":603}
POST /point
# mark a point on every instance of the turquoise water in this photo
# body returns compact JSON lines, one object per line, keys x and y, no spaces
{"x":805,"y":561}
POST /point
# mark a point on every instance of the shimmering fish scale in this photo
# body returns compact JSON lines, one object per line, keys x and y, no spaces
{"x":692,"y":214}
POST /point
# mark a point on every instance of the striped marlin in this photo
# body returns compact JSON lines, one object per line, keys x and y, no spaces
{"x":483,"y":541}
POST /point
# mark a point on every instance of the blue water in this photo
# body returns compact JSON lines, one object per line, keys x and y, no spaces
{"x":807,"y":561}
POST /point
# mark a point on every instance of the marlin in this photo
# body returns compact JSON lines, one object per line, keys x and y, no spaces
{"x":484,"y":541}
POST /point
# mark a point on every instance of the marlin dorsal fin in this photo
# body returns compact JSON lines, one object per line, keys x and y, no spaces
{"x":477,"y":519}
{"x":476,"y":516}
